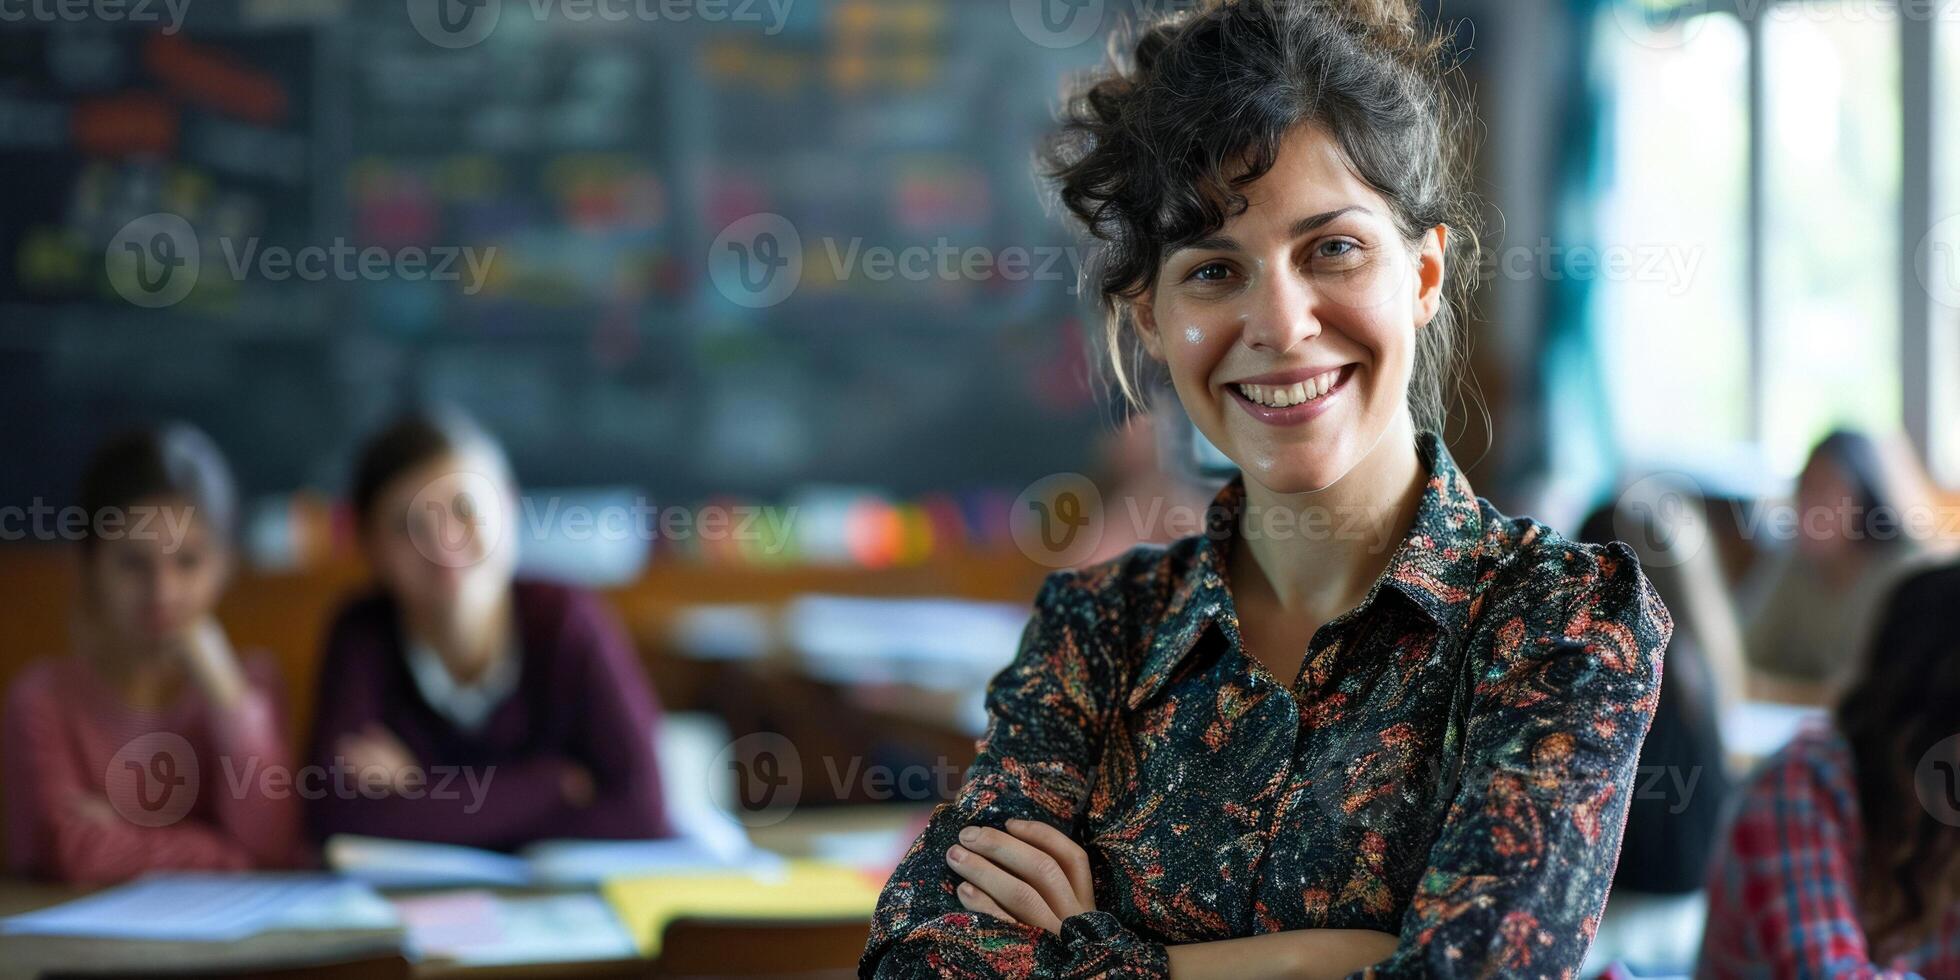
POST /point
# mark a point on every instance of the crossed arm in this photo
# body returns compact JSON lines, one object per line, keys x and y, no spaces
{"x":1563,"y":693}
{"x":1032,"y":874}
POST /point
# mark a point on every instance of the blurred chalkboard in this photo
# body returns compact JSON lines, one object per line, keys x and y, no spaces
{"x":591,"y":166}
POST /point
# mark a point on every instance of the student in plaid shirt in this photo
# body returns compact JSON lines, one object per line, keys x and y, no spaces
{"x":1844,"y":857}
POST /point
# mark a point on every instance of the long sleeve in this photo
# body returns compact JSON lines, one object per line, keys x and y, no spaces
{"x":1565,"y":691}
{"x":58,"y":809}
{"x":482,"y":806}
{"x":1779,"y":893}
{"x":622,"y":718}
{"x":1046,"y":712}
{"x":250,"y":738}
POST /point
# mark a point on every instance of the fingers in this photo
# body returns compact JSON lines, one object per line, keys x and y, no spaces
{"x":1074,"y":861}
{"x":976,"y":900}
{"x":1013,"y":894}
{"x":1059,"y":870}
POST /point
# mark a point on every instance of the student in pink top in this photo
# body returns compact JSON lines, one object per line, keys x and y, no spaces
{"x":151,"y":746}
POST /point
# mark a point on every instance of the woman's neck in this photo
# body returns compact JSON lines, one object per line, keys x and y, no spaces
{"x":1340,"y":538}
{"x":468,"y":641}
{"x":141,"y":678}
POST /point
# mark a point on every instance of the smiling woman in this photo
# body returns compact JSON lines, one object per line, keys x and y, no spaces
{"x":1398,"y":740}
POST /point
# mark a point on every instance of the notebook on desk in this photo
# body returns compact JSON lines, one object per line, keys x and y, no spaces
{"x":389,"y":863}
{"x":211,"y":907}
{"x":802,"y":890}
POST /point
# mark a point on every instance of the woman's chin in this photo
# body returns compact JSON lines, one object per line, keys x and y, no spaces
{"x":1291,"y":468}
{"x":1294,"y":481}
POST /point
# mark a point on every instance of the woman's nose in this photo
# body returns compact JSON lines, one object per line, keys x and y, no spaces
{"x":1280,"y":316}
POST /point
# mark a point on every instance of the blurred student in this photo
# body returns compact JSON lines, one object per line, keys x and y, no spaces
{"x":1852,"y":541}
{"x":1654,"y":910}
{"x":1844,"y":856}
{"x":138,"y":752}
{"x":462,"y":706}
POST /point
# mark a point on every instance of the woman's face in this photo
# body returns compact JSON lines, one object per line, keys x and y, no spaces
{"x":152,"y":583}
{"x":440,"y":538}
{"x":1290,"y":334}
{"x":1826,"y":499}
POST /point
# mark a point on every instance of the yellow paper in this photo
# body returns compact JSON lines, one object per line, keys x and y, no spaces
{"x":804,"y":889}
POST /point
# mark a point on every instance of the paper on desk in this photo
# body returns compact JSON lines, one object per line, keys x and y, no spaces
{"x":389,"y":863}
{"x":477,"y":928}
{"x":590,"y":862}
{"x":803,"y":889}
{"x":210,"y":907}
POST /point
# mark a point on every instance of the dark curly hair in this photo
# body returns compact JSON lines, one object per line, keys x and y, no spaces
{"x":1155,"y":149}
{"x":1905,"y":706}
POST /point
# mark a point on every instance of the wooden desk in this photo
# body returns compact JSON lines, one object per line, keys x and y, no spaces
{"x":690,"y":948}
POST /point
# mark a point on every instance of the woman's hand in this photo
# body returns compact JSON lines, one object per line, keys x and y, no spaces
{"x":377,"y":758}
{"x":207,"y":654}
{"x":1030,"y":874}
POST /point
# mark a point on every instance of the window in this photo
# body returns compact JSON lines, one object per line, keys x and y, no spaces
{"x":1678,"y":209}
{"x":1759,"y":143}
{"x":1830,"y":317}
{"x":1943,"y":259}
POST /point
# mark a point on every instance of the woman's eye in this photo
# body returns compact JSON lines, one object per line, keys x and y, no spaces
{"x":1335,"y":248}
{"x":1210,"y":272}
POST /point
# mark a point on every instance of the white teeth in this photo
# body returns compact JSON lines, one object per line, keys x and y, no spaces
{"x":1286,"y":396}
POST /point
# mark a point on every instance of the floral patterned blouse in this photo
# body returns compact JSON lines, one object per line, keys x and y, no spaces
{"x":1452,"y":765}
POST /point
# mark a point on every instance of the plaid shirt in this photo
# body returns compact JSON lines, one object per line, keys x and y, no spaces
{"x":1452,"y":763}
{"x":1782,"y":898}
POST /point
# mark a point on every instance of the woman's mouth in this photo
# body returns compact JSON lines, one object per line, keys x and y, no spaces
{"x":1295,"y":401}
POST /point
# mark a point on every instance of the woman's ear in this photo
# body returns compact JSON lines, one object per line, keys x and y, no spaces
{"x":1144,"y":316}
{"x":1430,"y":273}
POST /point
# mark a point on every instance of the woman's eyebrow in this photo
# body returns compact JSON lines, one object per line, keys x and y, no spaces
{"x":1226,"y":243}
{"x":1305,"y":225}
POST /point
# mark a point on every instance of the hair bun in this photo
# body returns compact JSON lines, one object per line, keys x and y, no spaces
{"x":1395,"y":26}
{"x":1399,"y":15}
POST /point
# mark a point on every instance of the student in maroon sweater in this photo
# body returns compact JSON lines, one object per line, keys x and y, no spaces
{"x":456,"y":704}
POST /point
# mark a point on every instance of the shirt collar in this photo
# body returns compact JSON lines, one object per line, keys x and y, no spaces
{"x":469,"y":706}
{"x":1435,"y":567}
